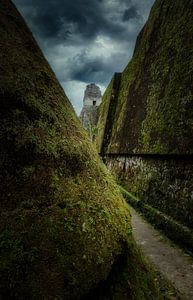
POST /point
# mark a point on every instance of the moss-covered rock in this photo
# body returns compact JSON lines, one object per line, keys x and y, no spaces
{"x":165,"y":183}
{"x":154,"y":112}
{"x":179,"y":233}
{"x":150,"y":145}
{"x":107,"y":114}
{"x":63,"y":223}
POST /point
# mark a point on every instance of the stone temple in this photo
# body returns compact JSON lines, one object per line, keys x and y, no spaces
{"x":91,"y":102}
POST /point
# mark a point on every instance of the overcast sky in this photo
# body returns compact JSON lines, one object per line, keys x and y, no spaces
{"x":85,"y":40}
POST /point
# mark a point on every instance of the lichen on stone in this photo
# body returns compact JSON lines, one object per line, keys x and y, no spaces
{"x":64,"y":222}
{"x":154,"y":103}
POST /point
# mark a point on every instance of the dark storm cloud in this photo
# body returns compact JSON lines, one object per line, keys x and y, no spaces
{"x":61,"y":19}
{"x":131,"y":13}
{"x":85,"y":40}
{"x":97,"y":69}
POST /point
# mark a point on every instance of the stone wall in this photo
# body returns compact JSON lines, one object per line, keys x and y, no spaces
{"x":91,"y":94}
{"x":154,"y":110}
{"x":89,"y":112}
{"x":89,"y":116}
{"x":149,"y":141}
{"x":107,"y":112}
{"x":162,"y":185}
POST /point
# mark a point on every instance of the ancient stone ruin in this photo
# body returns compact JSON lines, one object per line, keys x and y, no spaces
{"x":65,"y":228}
{"x":146,"y":121}
{"x":89,"y":113}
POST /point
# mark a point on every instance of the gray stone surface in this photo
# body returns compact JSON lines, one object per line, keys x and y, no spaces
{"x":92,"y":95}
{"x":173,"y":263}
{"x":91,"y":102}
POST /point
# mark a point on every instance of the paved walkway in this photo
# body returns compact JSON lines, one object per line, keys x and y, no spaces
{"x":176,"y":265}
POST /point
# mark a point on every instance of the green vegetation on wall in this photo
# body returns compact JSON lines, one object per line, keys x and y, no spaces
{"x":64,"y":222}
{"x":154,"y":112}
{"x":107,"y":113}
{"x":151,"y":142}
{"x":162,"y":189}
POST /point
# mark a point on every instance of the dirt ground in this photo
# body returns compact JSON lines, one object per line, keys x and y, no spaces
{"x":169,"y":259}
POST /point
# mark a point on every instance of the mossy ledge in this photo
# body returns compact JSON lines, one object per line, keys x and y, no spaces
{"x":64,"y":222}
{"x":179,"y":233}
{"x":164,"y":186}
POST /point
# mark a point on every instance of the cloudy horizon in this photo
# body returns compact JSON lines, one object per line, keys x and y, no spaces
{"x":85,"y":42}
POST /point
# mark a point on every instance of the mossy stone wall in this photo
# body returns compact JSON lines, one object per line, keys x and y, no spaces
{"x":63,"y":222}
{"x":165,"y":183}
{"x":107,"y":112}
{"x":154,"y":111}
{"x":151,"y":135}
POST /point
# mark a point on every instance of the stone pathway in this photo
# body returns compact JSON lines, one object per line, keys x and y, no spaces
{"x":174,"y":264}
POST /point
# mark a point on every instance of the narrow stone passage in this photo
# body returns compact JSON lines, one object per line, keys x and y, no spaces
{"x":174,"y":264}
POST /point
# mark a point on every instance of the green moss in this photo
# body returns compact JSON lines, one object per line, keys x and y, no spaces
{"x":164,"y":183}
{"x":154,"y":106}
{"x":103,"y":116}
{"x":60,"y":207}
{"x":174,"y":230}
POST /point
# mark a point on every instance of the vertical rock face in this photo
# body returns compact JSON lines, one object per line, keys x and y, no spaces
{"x":154,"y":112}
{"x":151,"y":133}
{"x":91,"y":102}
{"x":63,"y":220}
{"x":107,"y":114}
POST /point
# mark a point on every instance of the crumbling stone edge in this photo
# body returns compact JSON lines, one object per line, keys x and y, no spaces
{"x":177,"y":232}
